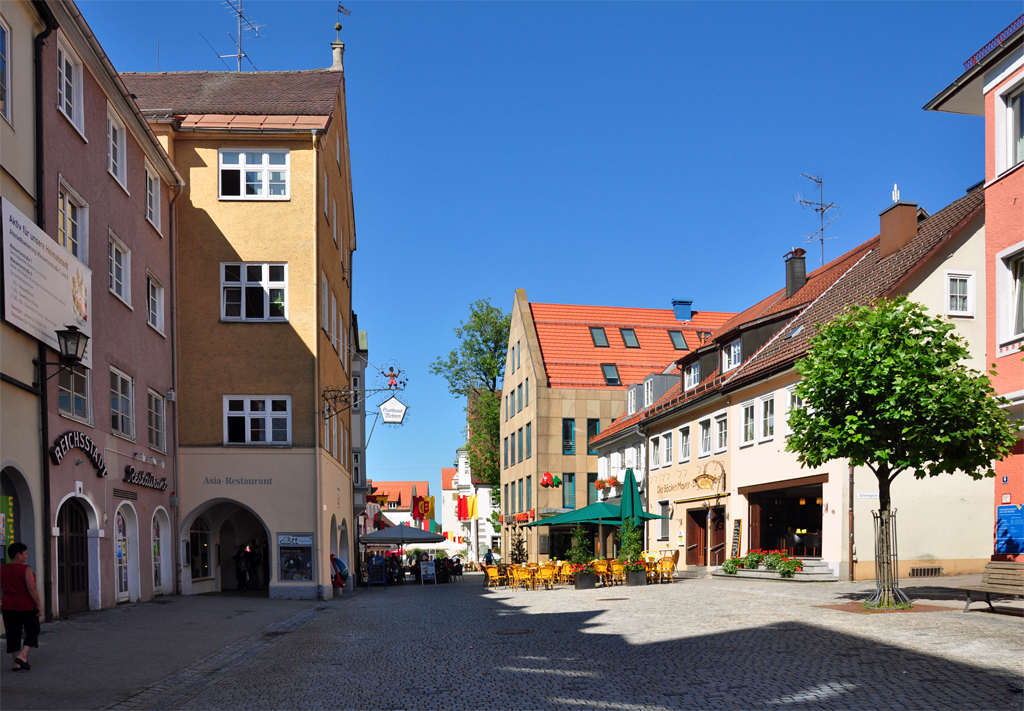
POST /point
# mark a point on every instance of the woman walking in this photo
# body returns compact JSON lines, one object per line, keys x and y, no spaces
{"x":20,"y":605}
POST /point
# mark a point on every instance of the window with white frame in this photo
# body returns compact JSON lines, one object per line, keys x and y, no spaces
{"x":121,"y":404}
{"x":648,"y":393}
{"x":767,"y":417}
{"x":5,"y":74}
{"x":721,"y":432}
{"x":666,"y":444}
{"x":663,"y":524}
{"x":747,"y":434}
{"x":325,"y":304}
{"x":792,"y":403}
{"x":119,"y":261}
{"x":1015,"y":133}
{"x":630,"y":401}
{"x":73,"y":393}
{"x":684,"y":444}
{"x":72,"y":221}
{"x":153,"y":197}
{"x":254,"y":291}
{"x":356,"y":466}
{"x":337,"y":149}
{"x":1017,"y":294}
{"x":260,"y":174}
{"x":334,"y":322}
{"x":705,"y":437}
{"x":959,"y":294}
{"x":655,"y":452}
{"x":258,"y":419}
{"x":326,"y":193}
{"x":116,"y":158}
{"x":731,"y":355}
{"x":154,"y":303}
{"x":157,"y":438}
{"x":69,"y":84}
{"x":357,"y":400}
{"x":691,"y":375}
{"x":334,"y":221}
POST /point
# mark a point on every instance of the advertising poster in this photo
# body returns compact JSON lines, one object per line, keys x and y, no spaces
{"x":1010,"y":529}
{"x":295,"y":552}
{"x":45,"y":287}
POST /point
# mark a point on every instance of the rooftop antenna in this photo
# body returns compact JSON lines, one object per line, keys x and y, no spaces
{"x":821,"y":207}
{"x":244,"y":24}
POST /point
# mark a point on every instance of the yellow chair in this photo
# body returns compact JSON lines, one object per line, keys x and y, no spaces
{"x":666,"y":567}
{"x":618,"y":573}
{"x":494,"y":577}
{"x":546,"y":577}
{"x":601,"y":571}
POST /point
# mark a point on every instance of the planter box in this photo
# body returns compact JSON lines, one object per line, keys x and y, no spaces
{"x":636,"y":577}
{"x":585,"y":581}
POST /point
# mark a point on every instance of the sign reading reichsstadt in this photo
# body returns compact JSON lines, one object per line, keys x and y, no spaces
{"x":45,"y":286}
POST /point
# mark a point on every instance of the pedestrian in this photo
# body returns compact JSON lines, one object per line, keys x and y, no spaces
{"x":241,"y":570}
{"x":489,"y":557}
{"x":254,"y":562}
{"x":20,"y":606}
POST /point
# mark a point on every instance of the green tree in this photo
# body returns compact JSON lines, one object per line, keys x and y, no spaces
{"x":631,"y":542}
{"x":885,"y":386}
{"x":475,"y":370}
{"x":517,"y":551}
{"x":582,"y":550}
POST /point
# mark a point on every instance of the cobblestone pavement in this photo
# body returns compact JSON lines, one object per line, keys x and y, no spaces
{"x":696,"y":644}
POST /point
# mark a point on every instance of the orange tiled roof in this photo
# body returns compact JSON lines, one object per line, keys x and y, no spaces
{"x":571,"y":360}
{"x":400,"y":492}
{"x":447,"y":474}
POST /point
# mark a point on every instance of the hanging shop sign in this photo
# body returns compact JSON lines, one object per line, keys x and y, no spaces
{"x":392,"y":411}
{"x":144,"y":479}
{"x":79,"y":440}
{"x":524,"y":517}
{"x":45,"y":286}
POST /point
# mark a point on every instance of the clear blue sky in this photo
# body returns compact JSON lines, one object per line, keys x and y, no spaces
{"x":598,"y":153}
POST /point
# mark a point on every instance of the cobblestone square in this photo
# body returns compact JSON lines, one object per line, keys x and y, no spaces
{"x":710,"y":643}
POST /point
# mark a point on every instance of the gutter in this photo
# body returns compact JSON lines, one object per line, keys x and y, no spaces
{"x":173,"y":246}
{"x":980,"y":68}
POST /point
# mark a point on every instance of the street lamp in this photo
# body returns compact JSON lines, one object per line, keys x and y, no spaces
{"x":72,"y":344}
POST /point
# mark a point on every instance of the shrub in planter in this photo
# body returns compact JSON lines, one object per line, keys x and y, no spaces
{"x":636,"y":577}
{"x":753,"y":559}
{"x":586,"y":580}
{"x":730,"y":566}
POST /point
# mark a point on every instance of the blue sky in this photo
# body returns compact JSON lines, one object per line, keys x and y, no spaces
{"x":597,"y":153}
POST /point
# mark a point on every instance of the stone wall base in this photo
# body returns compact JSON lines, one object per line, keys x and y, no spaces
{"x":294,"y":592}
{"x":865,"y":569}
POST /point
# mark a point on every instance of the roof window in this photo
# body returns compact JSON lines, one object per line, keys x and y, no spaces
{"x":611,"y":374}
{"x":598,"y":335}
{"x":678,"y":341}
{"x":629,"y":338}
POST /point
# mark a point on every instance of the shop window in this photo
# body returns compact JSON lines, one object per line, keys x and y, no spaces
{"x":295,"y":555}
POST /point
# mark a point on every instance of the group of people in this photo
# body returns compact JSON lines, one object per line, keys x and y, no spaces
{"x":249,"y":567}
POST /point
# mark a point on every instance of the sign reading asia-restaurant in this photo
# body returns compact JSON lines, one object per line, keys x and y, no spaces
{"x":79,"y":440}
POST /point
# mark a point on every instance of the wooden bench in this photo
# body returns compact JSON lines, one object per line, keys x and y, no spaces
{"x":1001,"y":578}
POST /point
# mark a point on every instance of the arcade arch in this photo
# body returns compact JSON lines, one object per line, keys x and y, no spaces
{"x":14,"y":483}
{"x":215,"y":532}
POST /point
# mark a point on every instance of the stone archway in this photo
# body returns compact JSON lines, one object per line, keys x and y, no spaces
{"x":163,"y":553}
{"x":127,"y":587}
{"x":228,"y":523}
{"x":343,"y":548}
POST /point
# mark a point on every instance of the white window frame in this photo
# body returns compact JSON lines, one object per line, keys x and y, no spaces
{"x":792,"y":402}
{"x":68,"y":195}
{"x":968,"y":311}
{"x":248,"y":413}
{"x":155,"y":312}
{"x":86,"y":374}
{"x":748,"y":423}
{"x":705,"y":444}
{"x":684,"y":444}
{"x":732,"y":356}
{"x":264,"y":166}
{"x":631,"y":401}
{"x":333,"y":333}
{"x":766,"y":419}
{"x":666,"y":448}
{"x":5,"y":71}
{"x":326,"y":193}
{"x":1007,"y":121}
{"x":1007,"y":297}
{"x":325,"y":290}
{"x":648,"y":393}
{"x":115,"y":244}
{"x":721,"y":433}
{"x":266,"y":283}
{"x":655,"y":453}
{"x":66,"y":55}
{"x":153,"y":196}
{"x":357,"y":391}
{"x":356,"y":468}
{"x":691,"y":375}
{"x":117,"y":148}
{"x":334,"y":221}
{"x":337,"y":149}
{"x":121,"y":375}
{"x":151,"y":414}
{"x":664,"y":524}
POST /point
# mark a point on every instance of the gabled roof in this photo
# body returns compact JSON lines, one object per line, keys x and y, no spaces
{"x":447,"y":475}
{"x":400,"y":491}
{"x":301,"y":93}
{"x":571,"y":360}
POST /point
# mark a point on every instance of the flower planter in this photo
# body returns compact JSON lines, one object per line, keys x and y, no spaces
{"x":585,"y":581}
{"x":636,"y":577}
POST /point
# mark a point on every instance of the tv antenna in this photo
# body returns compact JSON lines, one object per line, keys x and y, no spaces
{"x":245,"y":24}
{"x":822,"y":208}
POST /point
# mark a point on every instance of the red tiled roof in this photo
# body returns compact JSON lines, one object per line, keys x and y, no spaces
{"x":447,"y":474}
{"x":302,"y":93}
{"x":400,"y":491}
{"x":571,"y":360}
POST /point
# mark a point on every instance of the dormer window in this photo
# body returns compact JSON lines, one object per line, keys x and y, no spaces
{"x":629,"y":338}
{"x":691,"y":375}
{"x":599,"y":337}
{"x":648,"y":393}
{"x":731,"y":356}
{"x":611,"y":374}
{"x":678,"y":341}
{"x":631,"y":401}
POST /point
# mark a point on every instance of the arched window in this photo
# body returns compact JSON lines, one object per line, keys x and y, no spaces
{"x":199,"y":537}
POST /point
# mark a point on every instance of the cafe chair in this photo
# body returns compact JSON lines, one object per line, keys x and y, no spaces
{"x":618,"y":573}
{"x":546,"y":577}
{"x":493,"y":578}
{"x":666,"y":568}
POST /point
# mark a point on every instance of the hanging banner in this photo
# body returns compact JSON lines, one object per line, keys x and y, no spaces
{"x":45,"y":286}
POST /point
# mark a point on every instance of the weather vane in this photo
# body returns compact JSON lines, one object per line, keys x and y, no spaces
{"x":337,"y":25}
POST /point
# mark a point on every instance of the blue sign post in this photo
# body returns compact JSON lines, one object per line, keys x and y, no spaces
{"x":1010,"y":529}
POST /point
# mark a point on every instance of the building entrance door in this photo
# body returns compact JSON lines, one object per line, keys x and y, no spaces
{"x":158,"y":582}
{"x":121,"y":557}
{"x":72,"y":558}
{"x":717,"y":535}
{"x":696,"y":536}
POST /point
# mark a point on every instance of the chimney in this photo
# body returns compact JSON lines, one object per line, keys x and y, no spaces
{"x":796,"y":271}
{"x":897,"y":226}
{"x":683,"y":310}
{"x":338,"y":50}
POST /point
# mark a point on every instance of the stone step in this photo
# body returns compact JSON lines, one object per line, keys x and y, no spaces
{"x":799,"y":577}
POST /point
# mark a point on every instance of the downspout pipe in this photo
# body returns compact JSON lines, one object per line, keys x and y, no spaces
{"x":173,"y":245}
{"x":44,"y":406}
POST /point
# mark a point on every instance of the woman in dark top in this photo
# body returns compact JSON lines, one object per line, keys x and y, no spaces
{"x":20,"y":605}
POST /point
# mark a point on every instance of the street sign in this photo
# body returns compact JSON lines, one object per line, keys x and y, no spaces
{"x":392,"y":411}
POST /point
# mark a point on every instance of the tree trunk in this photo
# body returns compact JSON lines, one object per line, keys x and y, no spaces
{"x":887,"y":595}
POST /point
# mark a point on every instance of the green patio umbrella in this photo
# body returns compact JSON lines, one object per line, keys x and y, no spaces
{"x":595,"y":513}
{"x":632,"y":505}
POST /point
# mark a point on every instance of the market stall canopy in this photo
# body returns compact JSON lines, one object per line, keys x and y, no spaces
{"x":401,"y":535}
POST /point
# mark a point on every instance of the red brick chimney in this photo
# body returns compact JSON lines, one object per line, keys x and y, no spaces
{"x":898,"y":225}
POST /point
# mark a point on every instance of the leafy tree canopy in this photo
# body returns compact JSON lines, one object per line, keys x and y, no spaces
{"x":478,"y":363}
{"x":885,"y":387}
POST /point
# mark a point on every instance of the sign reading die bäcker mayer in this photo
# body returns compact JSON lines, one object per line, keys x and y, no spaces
{"x":45,"y":286}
